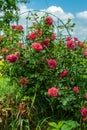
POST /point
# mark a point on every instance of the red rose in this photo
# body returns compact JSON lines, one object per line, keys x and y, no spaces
{"x":80,"y":44}
{"x":46,"y":42}
{"x":24,"y":81}
{"x":20,"y":44}
{"x":70,"y":44}
{"x":31,"y":36}
{"x":37,"y":46}
{"x":76,"y":89}
{"x":17,"y":54}
{"x":86,"y":95}
{"x":53,"y":36}
{"x":18,"y":28}
{"x":4,"y":50}
{"x":48,"y":21}
{"x":63,"y":74}
{"x":53,"y":92}
{"x":68,"y":38}
{"x":85,"y":53}
{"x":83,"y":119}
{"x":12,"y":58}
{"x":75,"y":39}
{"x":52,"y":63}
{"x":38,"y":33}
{"x":84,"y":112}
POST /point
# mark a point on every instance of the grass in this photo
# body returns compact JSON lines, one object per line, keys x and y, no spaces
{"x":5,"y":87}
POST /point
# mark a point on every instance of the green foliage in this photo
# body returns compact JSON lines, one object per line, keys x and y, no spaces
{"x":63,"y":125}
{"x":29,"y":105}
{"x":9,"y":10}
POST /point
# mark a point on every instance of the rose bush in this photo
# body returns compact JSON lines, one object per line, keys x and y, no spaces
{"x":34,"y":67}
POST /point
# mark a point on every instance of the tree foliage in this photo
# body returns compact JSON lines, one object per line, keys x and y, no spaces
{"x":9,"y":10}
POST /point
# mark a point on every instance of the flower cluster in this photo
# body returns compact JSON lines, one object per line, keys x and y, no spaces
{"x":84,"y":114}
{"x":18,"y":28}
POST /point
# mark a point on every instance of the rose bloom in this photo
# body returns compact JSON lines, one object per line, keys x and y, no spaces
{"x":37,"y":46}
{"x":63,"y":74}
{"x":4,"y":50}
{"x":12,"y":58}
{"x":24,"y":81}
{"x":85,"y":53}
{"x":76,"y":89}
{"x":48,"y":21}
{"x":84,"y":112}
{"x":53,"y":36}
{"x":75,"y":39}
{"x":68,"y":38}
{"x":70,"y":44}
{"x":53,"y":92}
{"x":31,"y":36}
{"x":17,"y":54}
{"x":80,"y":44}
{"x":52,"y":63}
{"x":18,"y":28}
{"x":86,"y":95}
{"x":46,"y":42}
{"x":20,"y":44}
{"x":38,"y":33}
{"x":83,"y":119}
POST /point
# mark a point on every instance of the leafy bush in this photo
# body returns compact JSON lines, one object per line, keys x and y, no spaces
{"x":48,"y":74}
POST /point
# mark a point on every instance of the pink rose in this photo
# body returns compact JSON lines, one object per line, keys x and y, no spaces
{"x":84,"y":112}
{"x":76,"y":89}
{"x":70,"y":44}
{"x":48,"y":21}
{"x":37,"y":46}
{"x":53,"y":36}
{"x":31,"y":36}
{"x":63,"y":74}
{"x":53,"y":92}
{"x":12,"y":58}
{"x":46,"y":42}
{"x":52,"y":63}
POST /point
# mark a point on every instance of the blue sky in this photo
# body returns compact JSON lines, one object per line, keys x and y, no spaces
{"x":72,"y":6}
{"x":64,"y":9}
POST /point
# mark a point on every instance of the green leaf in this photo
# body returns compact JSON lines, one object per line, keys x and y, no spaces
{"x":66,"y":127}
{"x":60,"y":123}
{"x":53,"y":124}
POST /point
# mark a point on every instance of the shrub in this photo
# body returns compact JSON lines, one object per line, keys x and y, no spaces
{"x":48,"y":72}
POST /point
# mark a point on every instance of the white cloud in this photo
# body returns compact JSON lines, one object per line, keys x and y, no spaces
{"x":58,"y":11}
{"x":82,"y":15}
{"x":80,"y":31}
